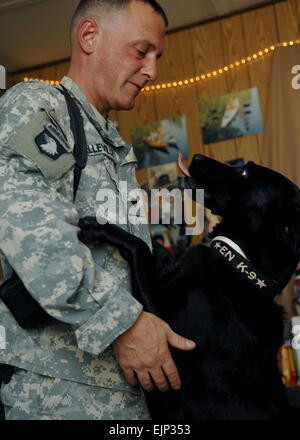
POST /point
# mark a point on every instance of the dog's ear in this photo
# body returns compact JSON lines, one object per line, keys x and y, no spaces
{"x":287,"y":229}
{"x":295,"y":228}
{"x":297,"y":245}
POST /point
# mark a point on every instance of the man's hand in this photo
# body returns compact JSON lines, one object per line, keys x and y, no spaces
{"x":143,"y":349}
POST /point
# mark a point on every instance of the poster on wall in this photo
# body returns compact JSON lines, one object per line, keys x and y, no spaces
{"x":165,"y":229}
{"x":162,"y":175}
{"x":230,"y":116}
{"x":159,"y":177}
{"x":160,"y":142}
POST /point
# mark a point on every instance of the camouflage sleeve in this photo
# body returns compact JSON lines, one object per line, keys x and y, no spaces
{"x":38,"y":236}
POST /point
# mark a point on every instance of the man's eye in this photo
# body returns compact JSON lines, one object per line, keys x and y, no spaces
{"x":141,"y":53}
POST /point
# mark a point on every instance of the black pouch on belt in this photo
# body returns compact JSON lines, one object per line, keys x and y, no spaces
{"x":25,"y":309}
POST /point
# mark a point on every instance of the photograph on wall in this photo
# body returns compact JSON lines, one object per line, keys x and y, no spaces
{"x":163,"y":175}
{"x":230,"y":116}
{"x":210,"y":219}
{"x":166,"y":231}
{"x":236,"y":162}
{"x":160,"y":142}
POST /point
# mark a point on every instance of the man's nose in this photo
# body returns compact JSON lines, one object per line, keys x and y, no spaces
{"x":150,"y":68}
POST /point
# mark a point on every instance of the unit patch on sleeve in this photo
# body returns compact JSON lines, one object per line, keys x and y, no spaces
{"x":49,"y":145}
{"x":42,"y":143}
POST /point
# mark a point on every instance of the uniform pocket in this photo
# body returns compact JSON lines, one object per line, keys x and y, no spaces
{"x":32,"y":392}
{"x":52,"y":394}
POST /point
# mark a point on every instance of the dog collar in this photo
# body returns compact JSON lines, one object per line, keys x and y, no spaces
{"x":234,"y":255}
{"x":232,"y":244}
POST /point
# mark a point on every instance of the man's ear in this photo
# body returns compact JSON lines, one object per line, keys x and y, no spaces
{"x":87,"y":32}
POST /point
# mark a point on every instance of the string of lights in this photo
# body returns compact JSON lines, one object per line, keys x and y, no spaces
{"x":205,"y":76}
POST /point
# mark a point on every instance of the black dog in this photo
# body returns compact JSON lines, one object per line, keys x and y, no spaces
{"x":222,"y":297}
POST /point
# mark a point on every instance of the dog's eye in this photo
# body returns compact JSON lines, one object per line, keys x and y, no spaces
{"x":244,"y":172}
{"x":286,"y":230}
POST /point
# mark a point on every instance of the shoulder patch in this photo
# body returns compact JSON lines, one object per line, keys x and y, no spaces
{"x":40,"y":142}
{"x":48,"y":144}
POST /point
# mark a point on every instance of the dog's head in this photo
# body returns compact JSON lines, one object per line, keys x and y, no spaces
{"x":252,"y":200}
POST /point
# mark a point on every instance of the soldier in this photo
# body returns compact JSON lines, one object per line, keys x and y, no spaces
{"x":94,"y":359}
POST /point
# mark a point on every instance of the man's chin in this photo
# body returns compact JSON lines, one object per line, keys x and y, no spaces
{"x":126,"y":106}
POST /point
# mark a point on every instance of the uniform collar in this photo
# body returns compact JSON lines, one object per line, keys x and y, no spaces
{"x":105,"y":125}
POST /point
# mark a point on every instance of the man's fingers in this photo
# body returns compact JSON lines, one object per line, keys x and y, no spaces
{"x":159,"y":379}
{"x":145,"y":381}
{"x":130,"y":376}
{"x":172,"y":374}
{"x":180,"y":342}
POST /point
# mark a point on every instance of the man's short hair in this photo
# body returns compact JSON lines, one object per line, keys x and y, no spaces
{"x":105,"y":6}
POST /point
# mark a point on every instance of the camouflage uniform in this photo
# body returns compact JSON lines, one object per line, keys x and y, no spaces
{"x":86,"y":289}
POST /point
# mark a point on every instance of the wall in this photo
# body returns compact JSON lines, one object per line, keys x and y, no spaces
{"x":198,"y":50}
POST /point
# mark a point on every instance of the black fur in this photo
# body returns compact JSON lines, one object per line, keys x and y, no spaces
{"x":232,"y":374}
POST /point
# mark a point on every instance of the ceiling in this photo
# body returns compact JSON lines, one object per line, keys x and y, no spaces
{"x":35,"y":32}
